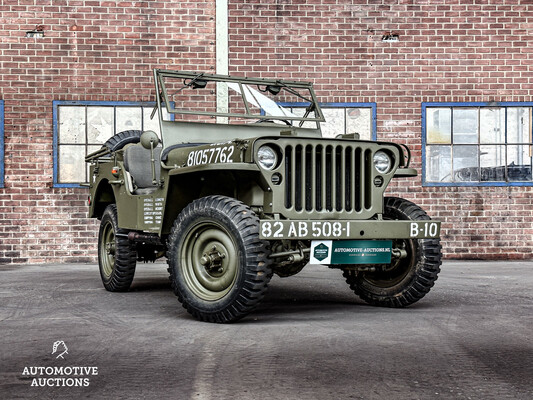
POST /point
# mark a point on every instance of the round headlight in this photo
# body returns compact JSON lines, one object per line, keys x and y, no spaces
{"x":267,"y":157}
{"x":382,"y":162}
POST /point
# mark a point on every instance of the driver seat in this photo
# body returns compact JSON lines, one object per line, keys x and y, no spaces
{"x":137,"y":162}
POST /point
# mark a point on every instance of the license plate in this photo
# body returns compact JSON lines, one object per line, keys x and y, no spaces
{"x":335,"y":230}
{"x":351,"y":252}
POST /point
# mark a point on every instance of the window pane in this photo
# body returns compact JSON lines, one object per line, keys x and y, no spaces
{"x":128,"y":118}
{"x":91,"y":149}
{"x":72,"y":164}
{"x":439,"y":164}
{"x":100,"y":123}
{"x":465,"y":125}
{"x":359,"y":120}
{"x":300,"y":111}
{"x":465,"y":164}
{"x":492,"y":162}
{"x":334,"y":124}
{"x":518,"y":125}
{"x":492,"y":125}
{"x":71,"y":121}
{"x":151,"y":124}
{"x":438,"y":125}
{"x":519,"y":163}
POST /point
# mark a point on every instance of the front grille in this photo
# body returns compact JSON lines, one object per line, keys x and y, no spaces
{"x":327,"y":178}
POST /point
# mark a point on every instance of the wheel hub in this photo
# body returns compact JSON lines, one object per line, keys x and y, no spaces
{"x":110,"y":248}
{"x":212,"y":261}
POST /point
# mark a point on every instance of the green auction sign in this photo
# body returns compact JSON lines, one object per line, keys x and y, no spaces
{"x":361,"y":252}
{"x":351,"y":252}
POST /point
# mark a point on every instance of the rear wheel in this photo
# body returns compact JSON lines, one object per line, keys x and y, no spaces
{"x":116,"y":258}
{"x":407,"y":279}
{"x":218,"y":265}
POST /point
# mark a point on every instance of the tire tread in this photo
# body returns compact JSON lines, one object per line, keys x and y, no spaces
{"x":125,"y":256}
{"x":257,"y":269}
{"x":430,"y":252}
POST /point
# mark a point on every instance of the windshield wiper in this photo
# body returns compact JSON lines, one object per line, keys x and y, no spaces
{"x":292,"y":91}
{"x":310,"y":108}
{"x":185,"y":85}
{"x":161,"y":99}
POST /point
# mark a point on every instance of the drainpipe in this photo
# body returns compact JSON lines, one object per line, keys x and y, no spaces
{"x":222,"y":55}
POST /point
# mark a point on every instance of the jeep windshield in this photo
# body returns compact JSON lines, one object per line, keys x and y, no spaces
{"x":206,"y":97}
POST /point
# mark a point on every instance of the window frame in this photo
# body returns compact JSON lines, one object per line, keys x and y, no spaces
{"x":371,"y":105}
{"x":56,"y":144}
{"x":426,"y":105}
{"x":2,"y":148}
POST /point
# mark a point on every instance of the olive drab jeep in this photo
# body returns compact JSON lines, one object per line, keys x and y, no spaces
{"x":239,"y":184}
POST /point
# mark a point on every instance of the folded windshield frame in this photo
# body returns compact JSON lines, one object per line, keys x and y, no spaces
{"x":257,"y":96}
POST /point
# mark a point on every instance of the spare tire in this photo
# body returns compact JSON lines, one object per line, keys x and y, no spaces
{"x":121,"y":139}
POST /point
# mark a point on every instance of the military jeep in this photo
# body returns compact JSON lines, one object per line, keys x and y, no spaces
{"x":238,"y":186}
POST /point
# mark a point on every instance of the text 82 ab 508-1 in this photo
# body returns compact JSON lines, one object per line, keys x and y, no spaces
{"x":348,"y":229}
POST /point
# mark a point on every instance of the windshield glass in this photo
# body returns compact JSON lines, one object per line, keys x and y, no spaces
{"x":204,"y":97}
{"x":260,"y":101}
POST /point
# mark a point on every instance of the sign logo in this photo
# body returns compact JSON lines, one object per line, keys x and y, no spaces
{"x":61,"y":348}
{"x":321,"y":252}
{"x":59,"y":376}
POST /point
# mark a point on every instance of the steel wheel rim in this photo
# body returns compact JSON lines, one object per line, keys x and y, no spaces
{"x":207,"y":281}
{"x":107,"y":250}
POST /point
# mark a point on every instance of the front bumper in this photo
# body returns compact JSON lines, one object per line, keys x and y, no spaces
{"x":348,"y":229}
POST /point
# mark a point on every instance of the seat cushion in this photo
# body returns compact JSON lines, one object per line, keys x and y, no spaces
{"x":137,"y":161}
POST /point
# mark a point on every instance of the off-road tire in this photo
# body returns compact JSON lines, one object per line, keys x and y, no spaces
{"x":121,"y":139}
{"x":116,"y":258}
{"x":413,"y":277}
{"x":233,"y":291}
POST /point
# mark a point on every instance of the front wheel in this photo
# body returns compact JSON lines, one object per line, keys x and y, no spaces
{"x":218,"y":266}
{"x":408,"y":279}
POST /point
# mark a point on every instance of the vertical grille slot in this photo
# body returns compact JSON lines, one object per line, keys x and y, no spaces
{"x":309,"y":179}
{"x":328,"y":155}
{"x":339,"y":179}
{"x":348,"y":173}
{"x":298,"y":177}
{"x":357,"y":178}
{"x":367,"y":184}
{"x":288,"y":177}
{"x":319,"y":178}
{"x":327,"y":178}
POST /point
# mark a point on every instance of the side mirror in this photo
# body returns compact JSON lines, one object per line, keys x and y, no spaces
{"x":149,"y":140}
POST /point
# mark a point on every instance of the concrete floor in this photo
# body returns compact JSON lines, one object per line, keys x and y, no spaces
{"x":311,"y":338}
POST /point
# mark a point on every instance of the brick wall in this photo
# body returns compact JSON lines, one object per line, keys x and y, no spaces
{"x":92,"y":50}
{"x":448,"y":51}
{"x":105,"y":50}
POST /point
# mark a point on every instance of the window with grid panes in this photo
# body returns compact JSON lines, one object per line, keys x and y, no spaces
{"x":82,"y":127}
{"x":477,"y":143}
